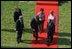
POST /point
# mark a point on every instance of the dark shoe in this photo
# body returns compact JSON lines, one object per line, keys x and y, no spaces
{"x":18,"y":42}
{"x":36,"y":38}
{"x":48,"y":44}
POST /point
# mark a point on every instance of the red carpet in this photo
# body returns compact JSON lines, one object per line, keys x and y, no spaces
{"x":47,"y":5}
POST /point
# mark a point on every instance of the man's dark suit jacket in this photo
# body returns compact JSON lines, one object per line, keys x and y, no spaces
{"x":34,"y":24}
{"x":19,"y":25}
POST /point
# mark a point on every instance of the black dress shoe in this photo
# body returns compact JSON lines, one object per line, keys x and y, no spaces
{"x":36,"y":39}
{"x":18,"y":42}
{"x":21,"y":40}
{"x":48,"y":44}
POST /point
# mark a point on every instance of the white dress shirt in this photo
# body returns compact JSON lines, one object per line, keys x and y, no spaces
{"x":51,"y":17}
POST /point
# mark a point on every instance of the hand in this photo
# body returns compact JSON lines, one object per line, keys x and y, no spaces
{"x":33,"y":30}
{"x":16,"y":31}
{"x":20,"y":16}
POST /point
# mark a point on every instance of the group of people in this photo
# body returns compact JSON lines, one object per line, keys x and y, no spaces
{"x":36,"y":24}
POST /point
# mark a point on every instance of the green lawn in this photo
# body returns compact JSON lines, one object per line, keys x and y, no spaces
{"x":8,"y":34}
{"x":64,"y":38}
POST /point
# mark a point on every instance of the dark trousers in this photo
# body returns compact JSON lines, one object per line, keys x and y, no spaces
{"x":41,"y":25}
{"x":50,"y":35}
{"x":19,"y":35}
{"x":35,"y":34}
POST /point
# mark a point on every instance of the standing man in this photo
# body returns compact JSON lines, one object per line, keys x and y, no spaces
{"x":41,"y":18}
{"x":19,"y":29}
{"x":51,"y":26}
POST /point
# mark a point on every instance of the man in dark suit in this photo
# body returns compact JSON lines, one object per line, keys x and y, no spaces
{"x":34,"y":26}
{"x":51,"y":31}
{"x":19,"y":29}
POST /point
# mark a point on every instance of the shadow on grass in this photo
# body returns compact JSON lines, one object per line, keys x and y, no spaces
{"x":29,"y":30}
{"x":64,"y":41}
{"x":59,"y":41}
{"x":12,"y":30}
{"x":41,"y":41}
{"x":8,"y":30}
{"x":64,"y":34}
